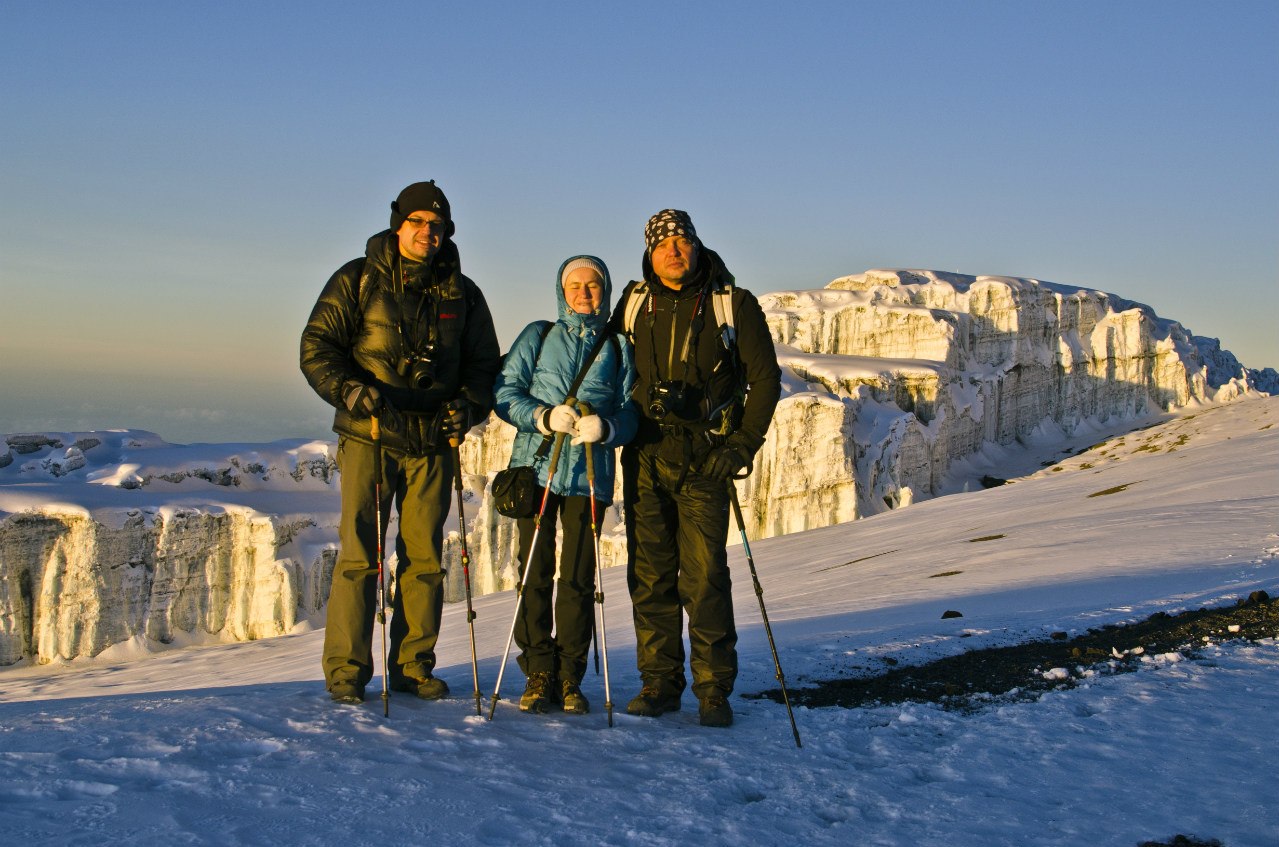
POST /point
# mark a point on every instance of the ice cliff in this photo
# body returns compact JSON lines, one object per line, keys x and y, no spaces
{"x":894,"y":379}
{"x":898,"y":374}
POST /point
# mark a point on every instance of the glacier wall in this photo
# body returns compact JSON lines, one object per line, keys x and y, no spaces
{"x":71,"y":586}
{"x":890,"y":378}
{"x":116,"y":536}
{"x":929,"y":367}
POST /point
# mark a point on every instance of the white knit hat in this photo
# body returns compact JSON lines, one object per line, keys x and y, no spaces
{"x":584,"y":262}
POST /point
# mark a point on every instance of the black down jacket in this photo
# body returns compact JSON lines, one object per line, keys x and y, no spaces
{"x":368,"y":322}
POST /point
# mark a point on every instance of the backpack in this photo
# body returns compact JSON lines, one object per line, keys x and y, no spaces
{"x":721,"y":302}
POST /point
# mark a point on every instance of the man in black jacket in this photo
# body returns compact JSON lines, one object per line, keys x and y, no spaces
{"x":403,"y":335}
{"x":706,"y":401}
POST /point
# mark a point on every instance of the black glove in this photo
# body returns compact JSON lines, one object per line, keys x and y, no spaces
{"x":364,"y":401}
{"x":361,"y":400}
{"x":725,"y":462}
{"x":455,"y":420}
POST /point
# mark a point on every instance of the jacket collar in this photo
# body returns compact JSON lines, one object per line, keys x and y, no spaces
{"x":383,"y":248}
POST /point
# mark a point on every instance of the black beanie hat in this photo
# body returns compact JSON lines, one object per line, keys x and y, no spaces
{"x":666,"y":224}
{"x":421,"y":197}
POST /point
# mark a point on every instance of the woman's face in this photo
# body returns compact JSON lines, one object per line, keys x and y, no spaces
{"x":584,"y":290}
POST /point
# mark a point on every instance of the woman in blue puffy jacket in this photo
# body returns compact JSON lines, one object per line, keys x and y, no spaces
{"x":530,"y":394}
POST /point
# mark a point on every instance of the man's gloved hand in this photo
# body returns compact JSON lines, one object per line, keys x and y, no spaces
{"x":725,"y":462}
{"x":361,"y":400}
{"x":562,"y":418}
{"x":365,"y":401}
{"x":590,"y":429}
{"x":455,"y":420}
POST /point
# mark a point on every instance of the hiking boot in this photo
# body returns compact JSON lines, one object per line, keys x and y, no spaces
{"x":652,"y":701}
{"x":713,"y":710}
{"x":575,"y":702}
{"x":428,"y":688}
{"x":537,"y":693}
{"x":346,"y":692}
{"x":432,"y":688}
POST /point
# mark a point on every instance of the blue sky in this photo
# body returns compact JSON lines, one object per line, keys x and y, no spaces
{"x":178,"y":180}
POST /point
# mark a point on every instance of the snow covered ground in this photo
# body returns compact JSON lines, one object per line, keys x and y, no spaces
{"x":239,"y":744}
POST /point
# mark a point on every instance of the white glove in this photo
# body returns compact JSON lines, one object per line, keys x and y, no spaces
{"x":591,"y":429}
{"x":561,"y":419}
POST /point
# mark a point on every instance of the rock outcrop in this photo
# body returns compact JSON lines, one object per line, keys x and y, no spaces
{"x":929,"y":367}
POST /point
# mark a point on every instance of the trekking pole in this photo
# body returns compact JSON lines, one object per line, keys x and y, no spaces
{"x":519,"y":587}
{"x":595,"y":642}
{"x":599,"y":573}
{"x":759,"y":594}
{"x":466,"y":568}
{"x":376,"y":433}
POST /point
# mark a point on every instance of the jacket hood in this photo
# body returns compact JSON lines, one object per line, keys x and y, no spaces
{"x":597,"y":319}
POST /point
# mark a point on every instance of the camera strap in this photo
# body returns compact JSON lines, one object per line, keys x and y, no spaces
{"x":424,"y":322}
{"x":691,"y":333}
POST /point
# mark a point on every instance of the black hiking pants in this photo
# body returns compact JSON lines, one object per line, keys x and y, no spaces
{"x":677,"y":532}
{"x":565,"y":599}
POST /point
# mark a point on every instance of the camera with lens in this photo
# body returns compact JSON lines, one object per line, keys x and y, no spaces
{"x":666,"y":397}
{"x":418,"y":368}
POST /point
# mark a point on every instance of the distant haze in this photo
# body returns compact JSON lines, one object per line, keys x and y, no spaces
{"x":177,"y":181}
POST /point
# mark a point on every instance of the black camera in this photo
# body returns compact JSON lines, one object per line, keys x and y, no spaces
{"x":665,"y":397}
{"x":418,"y":368}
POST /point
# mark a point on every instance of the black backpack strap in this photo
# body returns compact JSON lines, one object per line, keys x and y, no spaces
{"x":362,"y":289}
{"x":586,"y":366}
{"x":546,"y":330}
{"x":547,"y":326}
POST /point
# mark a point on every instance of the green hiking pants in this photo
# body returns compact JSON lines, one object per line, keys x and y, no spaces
{"x":419,"y":487}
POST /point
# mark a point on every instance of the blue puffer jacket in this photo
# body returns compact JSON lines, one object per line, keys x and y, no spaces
{"x":524,"y":389}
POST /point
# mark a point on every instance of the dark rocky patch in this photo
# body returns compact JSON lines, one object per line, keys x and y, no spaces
{"x":24,"y":443}
{"x":974,"y":679}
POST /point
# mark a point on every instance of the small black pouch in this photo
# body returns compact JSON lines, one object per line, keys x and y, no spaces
{"x":515,"y":492}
